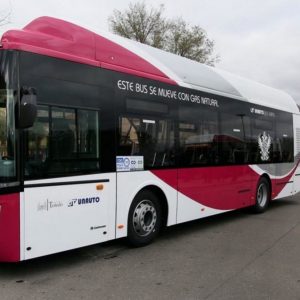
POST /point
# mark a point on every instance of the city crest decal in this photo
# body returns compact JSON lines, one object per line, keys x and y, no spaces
{"x":264,"y":144}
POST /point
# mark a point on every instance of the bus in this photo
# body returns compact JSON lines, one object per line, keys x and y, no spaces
{"x":102,"y":138}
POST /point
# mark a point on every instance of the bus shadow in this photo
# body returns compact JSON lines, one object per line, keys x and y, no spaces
{"x":204,"y":224}
{"x":113,"y":249}
{"x":64,"y":260}
{"x":223,"y":218}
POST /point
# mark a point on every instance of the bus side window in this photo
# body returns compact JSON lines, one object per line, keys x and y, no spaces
{"x":234,"y":138}
{"x":63,"y":141}
{"x":63,"y":133}
{"x":129,"y":142}
{"x":37,"y":144}
{"x":198,"y":136}
{"x":151,"y":138}
{"x":284,"y":139}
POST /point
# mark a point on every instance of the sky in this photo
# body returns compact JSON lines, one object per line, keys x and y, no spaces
{"x":256,"y":39}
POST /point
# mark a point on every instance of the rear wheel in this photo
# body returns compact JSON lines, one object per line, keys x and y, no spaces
{"x":263,"y":195}
{"x":144,"y":219}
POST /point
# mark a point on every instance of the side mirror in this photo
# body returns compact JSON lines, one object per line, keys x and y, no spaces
{"x":27,"y":111}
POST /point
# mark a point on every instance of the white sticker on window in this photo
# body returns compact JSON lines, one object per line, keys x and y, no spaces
{"x":149,"y":121}
{"x":129,"y":163}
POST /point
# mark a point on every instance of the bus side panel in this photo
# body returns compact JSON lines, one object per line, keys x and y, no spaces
{"x":297,"y":152}
{"x":10,"y":227}
{"x":284,"y":186}
{"x":209,"y":191}
{"x":68,"y":216}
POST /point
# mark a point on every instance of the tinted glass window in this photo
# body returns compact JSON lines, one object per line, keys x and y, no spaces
{"x":198,"y":137}
{"x":63,"y":133}
{"x":148,"y":137}
{"x":284,"y":138}
{"x":234,"y":138}
{"x":38,"y":144}
{"x":63,"y":141}
{"x":8,"y":97}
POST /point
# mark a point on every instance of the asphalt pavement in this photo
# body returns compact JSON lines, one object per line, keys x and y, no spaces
{"x":237,"y":255}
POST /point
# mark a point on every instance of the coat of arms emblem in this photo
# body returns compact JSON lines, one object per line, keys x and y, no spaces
{"x":264,"y":144}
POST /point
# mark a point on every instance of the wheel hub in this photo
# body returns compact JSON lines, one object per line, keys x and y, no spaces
{"x":144,"y":218}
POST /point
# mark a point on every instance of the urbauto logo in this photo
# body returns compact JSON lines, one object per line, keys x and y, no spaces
{"x":83,"y":201}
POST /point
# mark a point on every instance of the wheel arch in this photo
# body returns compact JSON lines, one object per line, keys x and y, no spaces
{"x":263,"y":194}
{"x":161,"y":196}
{"x":267,"y":177}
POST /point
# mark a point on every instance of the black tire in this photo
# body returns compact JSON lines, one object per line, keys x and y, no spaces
{"x":144,"y":219}
{"x":263,"y":196}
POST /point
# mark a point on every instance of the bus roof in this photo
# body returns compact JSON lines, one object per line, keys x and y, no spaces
{"x":61,"y":39}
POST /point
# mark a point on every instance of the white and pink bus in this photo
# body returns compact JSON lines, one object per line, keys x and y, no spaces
{"x":102,"y":138}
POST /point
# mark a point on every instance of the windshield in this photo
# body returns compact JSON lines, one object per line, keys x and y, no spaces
{"x":7,"y":122}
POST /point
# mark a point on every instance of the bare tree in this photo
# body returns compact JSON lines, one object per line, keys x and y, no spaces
{"x":191,"y":42}
{"x":139,"y":24}
{"x":149,"y":26}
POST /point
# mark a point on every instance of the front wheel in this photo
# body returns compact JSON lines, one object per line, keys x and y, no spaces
{"x":144,"y":219}
{"x":263,"y":195}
